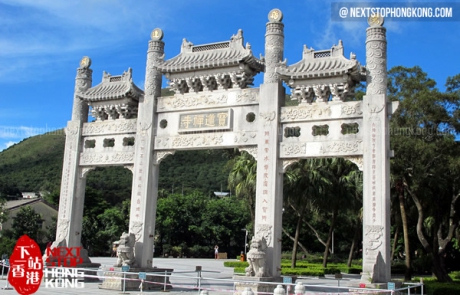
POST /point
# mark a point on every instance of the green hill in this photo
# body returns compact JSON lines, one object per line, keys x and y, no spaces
{"x":35,"y":164}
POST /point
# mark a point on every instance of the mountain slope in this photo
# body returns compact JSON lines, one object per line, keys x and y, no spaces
{"x":35,"y":164}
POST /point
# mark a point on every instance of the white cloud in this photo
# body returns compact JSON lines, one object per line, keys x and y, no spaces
{"x":39,"y":34}
{"x":9,"y":143}
{"x":20,"y":132}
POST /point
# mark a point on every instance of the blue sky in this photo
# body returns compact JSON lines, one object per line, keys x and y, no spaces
{"x":42,"y":42}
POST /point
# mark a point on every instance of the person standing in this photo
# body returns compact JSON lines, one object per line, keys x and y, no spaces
{"x":216,"y":252}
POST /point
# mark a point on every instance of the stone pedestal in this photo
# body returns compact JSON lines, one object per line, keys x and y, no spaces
{"x":113,"y":279}
{"x":257,"y":285}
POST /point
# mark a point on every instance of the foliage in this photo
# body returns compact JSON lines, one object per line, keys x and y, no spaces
{"x":236,"y":264}
{"x":6,"y":245}
{"x":441,"y":288}
{"x":426,"y":164}
{"x":34,"y":164}
{"x":27,"y":222}
{"x":196,"y":222}
{"x":242,"y":180}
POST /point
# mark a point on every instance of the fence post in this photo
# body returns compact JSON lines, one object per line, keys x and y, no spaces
{"x":299,"y":288}
{"x":164,"y":287}
{"x":279,"y":290}
{"x":247,"y":291}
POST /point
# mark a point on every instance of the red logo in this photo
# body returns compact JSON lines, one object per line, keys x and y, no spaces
{"x":63,"y":256}
{"x":26,"y":266}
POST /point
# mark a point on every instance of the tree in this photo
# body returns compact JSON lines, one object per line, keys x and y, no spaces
{"x":303,"y":185}
{"x":242,"y":180}
{"x":28,"y":222}
{"x":426,"y":164}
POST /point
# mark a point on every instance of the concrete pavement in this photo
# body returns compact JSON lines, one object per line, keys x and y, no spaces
{"x":215,"y":278}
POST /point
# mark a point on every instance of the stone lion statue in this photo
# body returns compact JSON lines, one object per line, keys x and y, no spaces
{"x":125,"y":250}
{"x":256,"y":258}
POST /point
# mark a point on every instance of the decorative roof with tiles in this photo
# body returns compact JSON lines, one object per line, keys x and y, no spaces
{"x":322,"y":63}
{"x":209,"y":56}
{"x":113,"y":87}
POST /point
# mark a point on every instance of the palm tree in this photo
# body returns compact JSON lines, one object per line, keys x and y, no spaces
{"x":303,"y":184}
{"x":242,"y":180}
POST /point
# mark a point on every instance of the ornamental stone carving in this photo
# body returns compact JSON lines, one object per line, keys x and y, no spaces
{"x":342,"y":147}
{"x":376,"y":56}
{"x":197,"y":140}
{"x":293,"y":149}
{"x":305,"y":113}
{"x":114,"y":127}
{"x":352,"y":109}
{"x":125,"y":250}
{"x":160,"y":155}
{"x":136,"y":229}
{"x":106,"y":158}
{"x":373,"y":233}
{"x":265,"y":231}
{"x":268,"y":117}
{"x":86,"y":170}
{"x":62,"y":229}
{"x":245,"y":137}
{"x":256,"y":258}
{"x":181,"y":101}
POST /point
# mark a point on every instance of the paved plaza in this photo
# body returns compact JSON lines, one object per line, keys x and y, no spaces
{"x":216,"y":279}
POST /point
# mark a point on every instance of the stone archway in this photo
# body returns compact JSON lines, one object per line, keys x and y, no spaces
{"x":214,"y":108}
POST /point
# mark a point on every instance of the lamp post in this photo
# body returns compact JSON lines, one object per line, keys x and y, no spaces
{"x":245,"y":241}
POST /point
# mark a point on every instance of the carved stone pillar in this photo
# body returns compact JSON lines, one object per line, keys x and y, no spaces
{"x":274,"y":45}
{"x":146,"y":169}
{"x":376,"y":175}
{"x":269,"y":194}
{"x":73,"y":183}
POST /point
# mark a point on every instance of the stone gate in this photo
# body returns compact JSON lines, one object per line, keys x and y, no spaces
{"x":214,"y":107}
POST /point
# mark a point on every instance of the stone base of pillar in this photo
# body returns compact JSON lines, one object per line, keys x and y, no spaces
{"x":257,"y":285}
{"x":113,"y":279}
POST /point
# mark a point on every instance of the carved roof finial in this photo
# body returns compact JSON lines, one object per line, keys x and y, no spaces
{"x":375,"y":20}
{"x":238,"y":36}
{"x":275,"y":15}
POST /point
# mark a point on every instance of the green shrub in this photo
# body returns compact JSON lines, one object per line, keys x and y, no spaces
{"x":236,"y":264}
{"x":437,"y":288}
{"x":455,"y":275}
{"x":331,"y":270}
{"x":354,"y":270}
{"x":303,"y":272}
{"x":239,"y":270}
